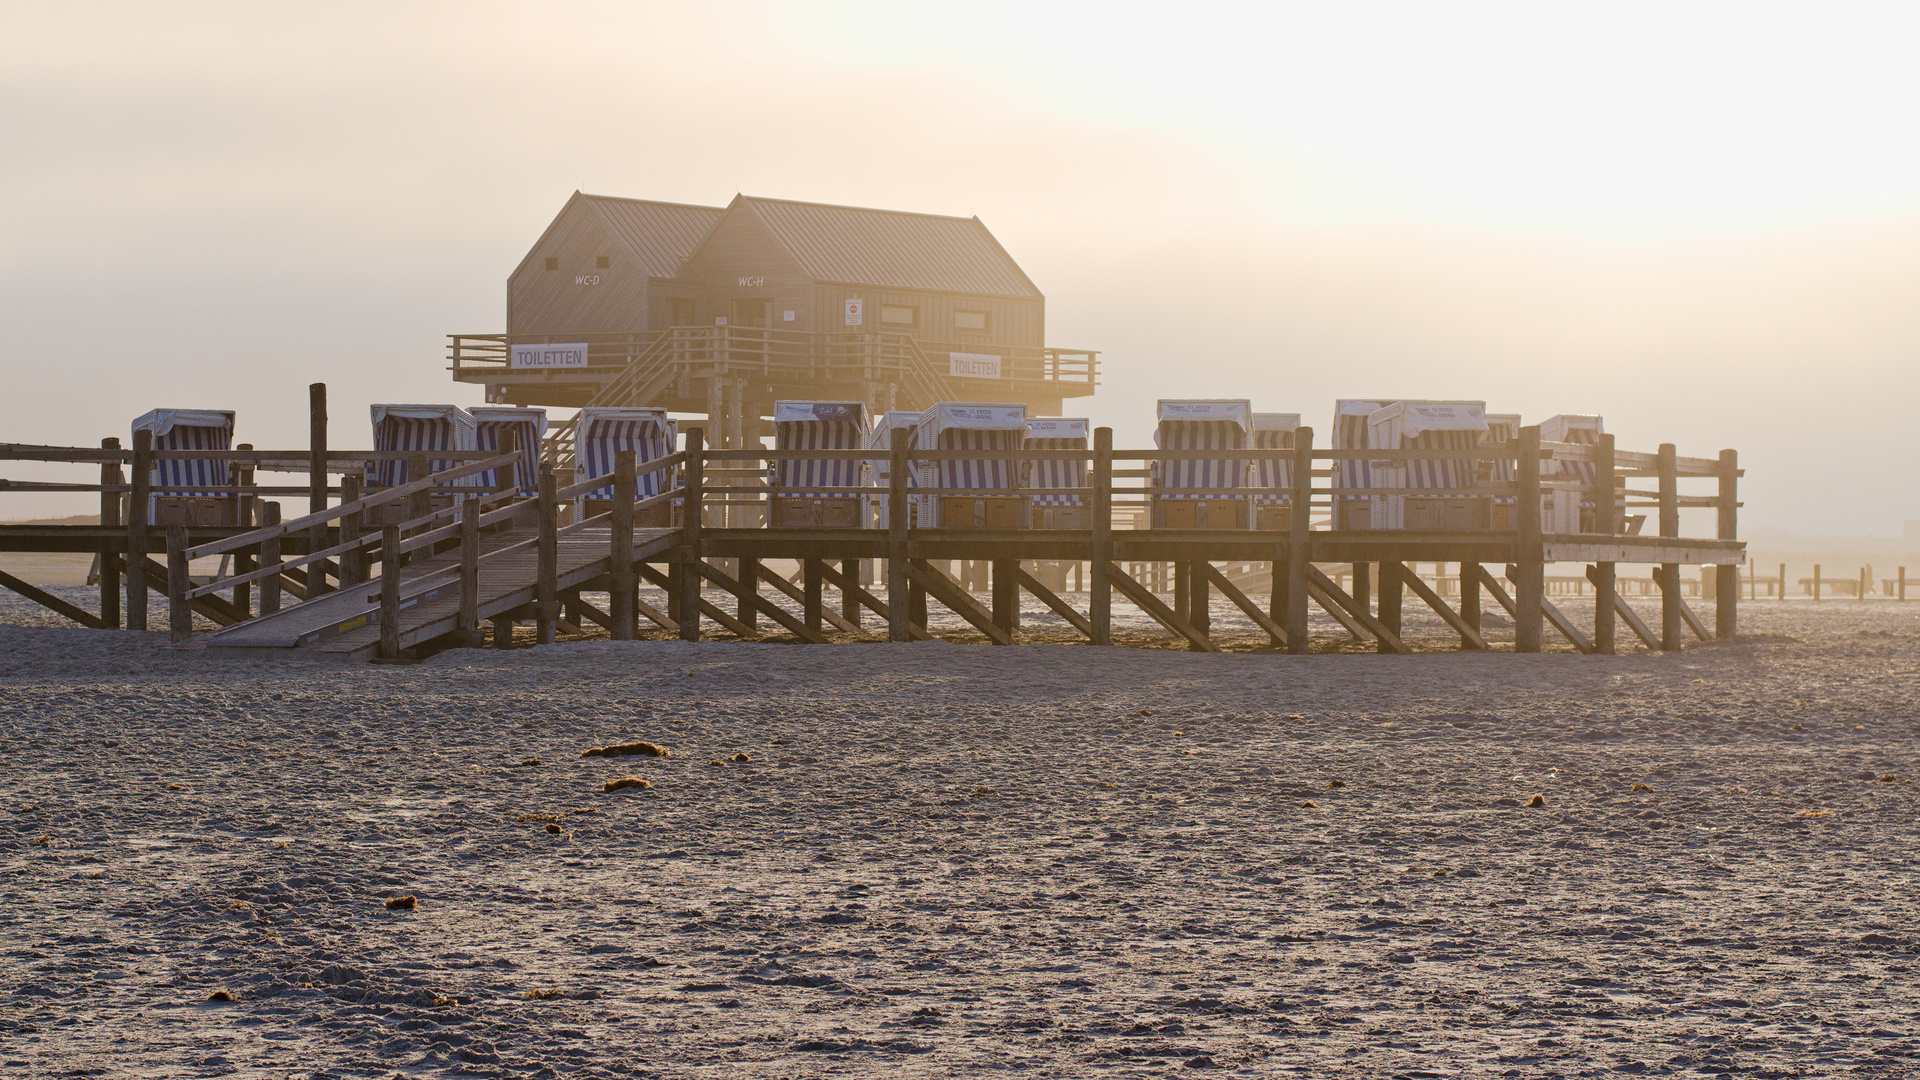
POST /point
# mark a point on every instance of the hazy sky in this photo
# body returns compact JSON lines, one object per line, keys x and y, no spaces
{"x":1702,"y":220}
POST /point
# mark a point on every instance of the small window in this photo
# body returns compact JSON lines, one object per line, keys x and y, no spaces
{"x":975,"y":321}
{"x":891,"y":315}
{"x":553,"y":263}
{"x":602,"y":262}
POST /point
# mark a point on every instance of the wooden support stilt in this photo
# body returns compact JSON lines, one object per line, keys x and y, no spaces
{"x":1006,"y":594}
{"x":353,"y":564}
{"x":1146,"y":601}
{"x":812,"y":596}
{"x":53,"y":603}
{"x":767,"y":607}
{"x":1299,"y":542}
{"x":1669,"y":574}
{"x":849,"y":603}
{"x":671,"y":582}
{"x":1240,"y":600}
{"x":502,"y":633}
{"x":546,"y":599}
{"x":1469,"y":634}
{"x":270,"y":586}
{"x":749,"y":576}
{"x":1632,"y":618}
{"x":1548,"y":611}
{"x":390,"y":593}
{"x":1530,"y":583}
{"x":139,"y":506}
{"x":110,"y":476}
{"x":870,"y":601}
{"x":899,"y":620}
{"x":1182,"y":592}
{"x":799,"y":596}
{"x":1393,"y":576}
{"x":957,"y":599}
{"x":1606,"y":521}
{"x":1470,"y":598}
{"x":1726,"y":593}
{"x":1358,"y":620}
{"x":1059,"y":607}
{"x":1100,"y":547}
{"x":179,"y":615}
{"x":622,"y":585}
{"x":692,"y":559}
{"x":467,"y":621}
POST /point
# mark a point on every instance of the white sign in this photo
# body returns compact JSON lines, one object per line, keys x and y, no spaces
{"x":752,"y":282}
{"x":549,"y":356}
{"x":854,"y":312}
{"x":586,"y":279}
{"x":973,"y":365}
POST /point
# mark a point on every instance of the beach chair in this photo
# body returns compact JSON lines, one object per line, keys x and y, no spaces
{"x":816,"y":425}
{"x":1571,"y":511}
{"x":414,"y":428}
{"x":970,"y":425}
{"x":1429,"y":425}
{"x":191,"y":429}
{"x":1057,"y":511}
{"x":1350,"y":415}
{"x":1202,"y":425}
{"x":529,"y":427}
{"x":875,"y":471}
{"x":1501,"y":428}
{"x":599,"y":433}
{"x":1273,"y":509}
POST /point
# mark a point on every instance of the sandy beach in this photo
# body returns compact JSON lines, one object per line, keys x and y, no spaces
{"x":939,"y":858}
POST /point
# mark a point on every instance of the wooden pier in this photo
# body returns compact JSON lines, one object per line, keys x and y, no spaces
{"x":445,"y":577}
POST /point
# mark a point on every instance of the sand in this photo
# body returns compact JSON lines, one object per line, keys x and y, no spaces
{"x":943,"y":858}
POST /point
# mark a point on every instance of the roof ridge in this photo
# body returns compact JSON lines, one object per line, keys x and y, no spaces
{"x":652,"y":202}
{"x":861,"y":209}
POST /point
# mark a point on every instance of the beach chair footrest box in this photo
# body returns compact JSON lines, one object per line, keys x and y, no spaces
{"x":1446,"y":515}
{"x":1273,"y":517}
{"x":196,"y":510}
{"x":1200,"y":513}
{"x":1353,"y":514}
{"x":794,"y":512}
{"x":658,"y":516}
{"x":982,"y":512}
{"x":1062,"y":517}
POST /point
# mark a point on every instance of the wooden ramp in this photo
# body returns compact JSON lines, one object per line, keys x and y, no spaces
{"x":347,"y":623}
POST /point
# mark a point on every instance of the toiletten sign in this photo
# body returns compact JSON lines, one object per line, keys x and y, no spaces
{"x":549,"y":356}
{"x":973,"y":365}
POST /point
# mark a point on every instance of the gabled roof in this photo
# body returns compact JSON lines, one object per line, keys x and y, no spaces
{"x":657,"y":236}
{"x":887,"y":248}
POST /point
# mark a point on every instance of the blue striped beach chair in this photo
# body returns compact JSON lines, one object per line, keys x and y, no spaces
{"x":600,"y":432}
{"x":1429,"y":425}
{"x":190,"y":429}
{"x":409,"y":428}
{"x":816,"y":425}
{"x":970,"y":425}
{"x":1572,"y":510}
{"x":1202,"y":425}
{"x":1273,"y":479}
{"x":529,"y":427}
{"x":875,"y":472}
{"x":1350,"y":433}
{"x":1065,"y":510}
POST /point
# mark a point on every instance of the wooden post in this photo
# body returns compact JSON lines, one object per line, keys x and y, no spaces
{"x":137,"y":510}
{"x":898,"y":602}
{"x":1183,"y":591}
{"x":850,"y":599}
{"x":1902,"y":584}
{"x":623,"y":584}
{"x":1006,"y":594}
{"x":1470,"y":595}
{"x":468,"y":624}
{"x":179,"y":614}
{"x":1606,"y":520}
{"x":269,"y":556}
{"x":508,"y":478}
{"x":110,"y":476}
{"x":1299,"y":541}
{"x":546,"y":586}
{"x":240,"y":474}
{"x":1392,"y":591}
{"x":747,"y":574}
{"x":389,"y":592}
{"x":1529,"y":588}
{"x":1100,"y":596}
{"x":1671,"y":626}
{"x":1362,"y":591}
{"x":1816,"y":581}
{"x":812,"y":593}
{"x":693,"y":494}
{"x":316,"y":482}
{"x":1726,"y":579}
{"x":1783,"y":582}
{"x":353,"y":564}
{"x":420,"y":503}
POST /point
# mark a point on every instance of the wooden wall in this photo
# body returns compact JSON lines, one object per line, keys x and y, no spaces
{"x":579,"y":297}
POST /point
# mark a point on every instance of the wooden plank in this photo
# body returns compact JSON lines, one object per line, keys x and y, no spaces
{"x":900,"y":622}
{"x":1693,"y":621}
{"x":137,"y":511}
{"x":389,"y":592}
{"x":317,"y":481}
{"x":54,"y":603}
{"x":692,"y":560}
{"x":1232,"y":592}
{"x":707,"y":607}
{"x":1632,"y":618}
{"x":109,"y":517}
{"x":1670,"y":601}
{"x":945,"y":590}
{"x":1529,"y":587}
{"x":1058,"y":606}
{"x":1560,"y":622}
{"x":872,"y":602}
{"x":1331,"y":595}
{"x":797,"y":595}
{"x":1099,"y":586}
{"x":546,"y":586}
{"x":766,"y":607}
{"x":1299,"y":542}
{"x":1144,"y":599}
{"x":1469,"y":636}
{"x":1726,"y":578}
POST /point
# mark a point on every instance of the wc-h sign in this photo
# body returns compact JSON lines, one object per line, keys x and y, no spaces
{"x":549,"y":356}
{"x":854,"y":312}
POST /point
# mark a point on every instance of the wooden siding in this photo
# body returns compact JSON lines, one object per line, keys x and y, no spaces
{"x":577,"y":298}
{"x":1010,"y":322}
{"x":740,"y":247}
